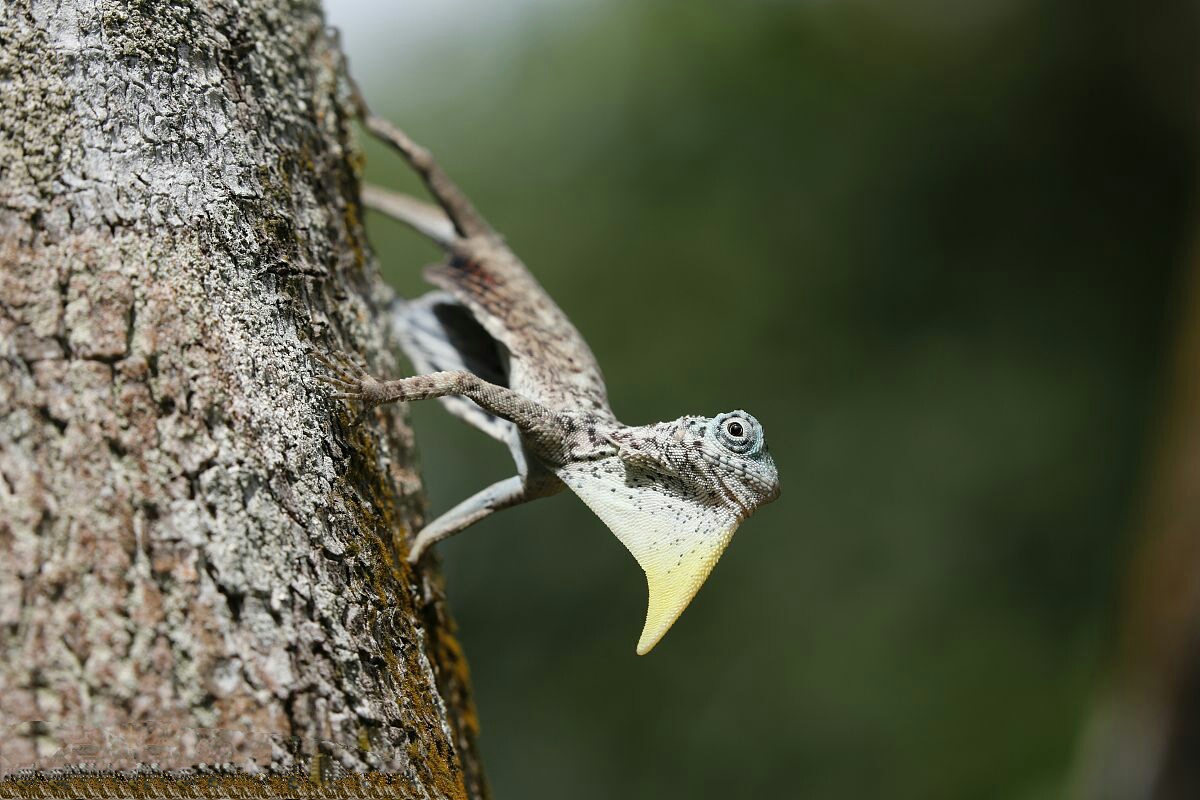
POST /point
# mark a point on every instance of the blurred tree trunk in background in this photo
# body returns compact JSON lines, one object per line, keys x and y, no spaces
{"x":200,"y":554}
{"x":1145,"y":740}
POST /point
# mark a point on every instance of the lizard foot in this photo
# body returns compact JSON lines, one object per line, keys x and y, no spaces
{"x":348,"y":379}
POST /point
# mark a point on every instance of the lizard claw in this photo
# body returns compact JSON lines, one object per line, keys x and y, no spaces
{"x":348,"y":379}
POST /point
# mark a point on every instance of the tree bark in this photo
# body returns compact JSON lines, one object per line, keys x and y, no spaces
{"x":1143,"y":740}
{"x":201,"y":555}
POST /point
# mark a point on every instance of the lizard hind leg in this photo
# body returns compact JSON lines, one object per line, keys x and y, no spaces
{"x":503,"y":494}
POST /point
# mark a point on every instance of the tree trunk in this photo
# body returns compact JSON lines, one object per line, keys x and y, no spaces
{"x":1144,"y":738}
{"x":201,"y":555}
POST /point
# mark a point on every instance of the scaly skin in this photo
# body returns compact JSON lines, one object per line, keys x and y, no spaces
{"x":673,"y":492}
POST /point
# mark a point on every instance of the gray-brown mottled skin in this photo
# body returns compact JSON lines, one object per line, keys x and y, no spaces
{"x":685,"y":484}
{"x":191,"y":538}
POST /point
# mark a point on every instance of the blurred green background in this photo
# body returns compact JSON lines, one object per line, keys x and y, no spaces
{"x":934,"y":247}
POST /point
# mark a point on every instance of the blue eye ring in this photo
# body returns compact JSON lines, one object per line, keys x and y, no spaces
{"x":737,"y":432}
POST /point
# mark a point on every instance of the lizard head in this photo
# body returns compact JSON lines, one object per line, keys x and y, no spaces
{"x":721,"y":460}
{"x":674,"y":493}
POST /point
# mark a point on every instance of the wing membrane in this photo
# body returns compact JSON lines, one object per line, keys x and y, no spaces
{"x":549,"y":361}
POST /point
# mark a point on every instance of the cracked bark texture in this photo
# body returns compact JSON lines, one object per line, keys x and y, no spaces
{"x":201,"y":556}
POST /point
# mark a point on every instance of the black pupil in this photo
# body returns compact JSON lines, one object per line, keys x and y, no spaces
{"x":735,"y":429}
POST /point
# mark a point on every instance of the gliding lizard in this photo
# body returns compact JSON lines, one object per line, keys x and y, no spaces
{"x":500,"y":354}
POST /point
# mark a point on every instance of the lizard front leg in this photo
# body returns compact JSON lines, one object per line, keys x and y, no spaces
{"x":352,"y":382}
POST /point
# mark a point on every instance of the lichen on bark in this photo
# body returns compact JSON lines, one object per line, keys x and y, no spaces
{"x":192,"y":536}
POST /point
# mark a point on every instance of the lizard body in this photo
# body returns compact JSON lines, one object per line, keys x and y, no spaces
{"x":500,"y":354}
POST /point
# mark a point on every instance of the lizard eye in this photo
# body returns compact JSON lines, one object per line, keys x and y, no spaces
{"x":739,"y":432}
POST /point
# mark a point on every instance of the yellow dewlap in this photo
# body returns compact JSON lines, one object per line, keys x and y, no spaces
{"x":677,"y":542}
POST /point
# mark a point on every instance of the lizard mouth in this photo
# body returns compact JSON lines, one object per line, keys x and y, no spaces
{"x":765,"y":489}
